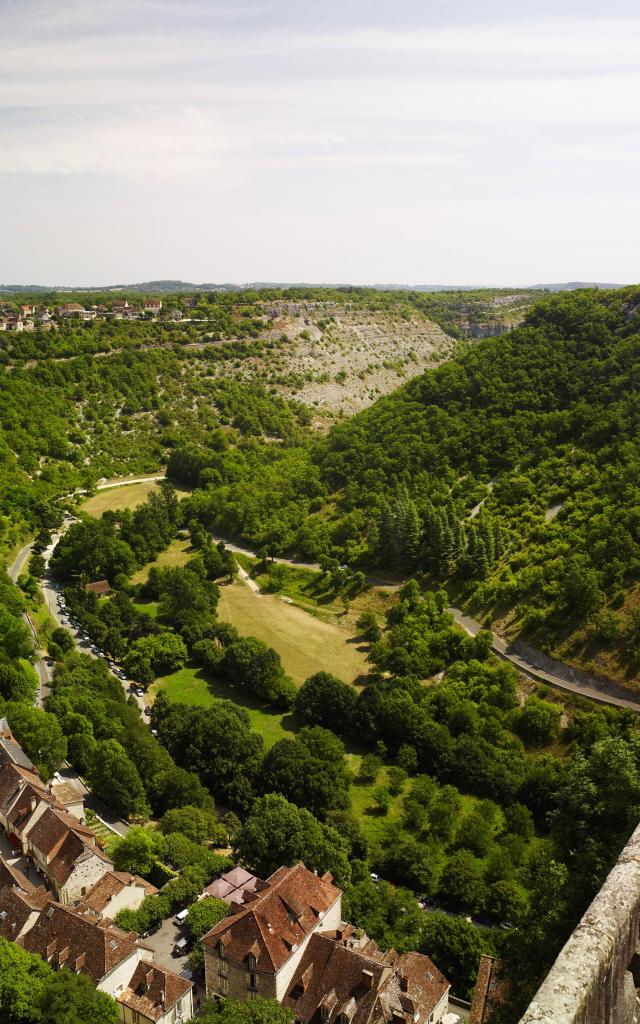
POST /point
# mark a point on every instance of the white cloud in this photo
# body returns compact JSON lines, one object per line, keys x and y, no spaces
{"x":259,"y":113}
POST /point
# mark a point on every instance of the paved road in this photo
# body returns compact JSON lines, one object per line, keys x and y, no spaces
{"x":123,"y":483}
{"x":600,"y":690}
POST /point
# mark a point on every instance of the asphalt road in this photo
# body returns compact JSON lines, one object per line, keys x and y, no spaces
{"x":602,"y":691}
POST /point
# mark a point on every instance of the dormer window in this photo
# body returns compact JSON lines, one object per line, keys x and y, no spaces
{"x":251,"y":962}
{"x":221,"y":950}
{"x":324,"y":1013}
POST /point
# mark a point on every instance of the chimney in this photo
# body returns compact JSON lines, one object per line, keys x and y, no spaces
{"x":367,"y":980}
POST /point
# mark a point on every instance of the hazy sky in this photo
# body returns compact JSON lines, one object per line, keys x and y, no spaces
{"x":413,"y":141}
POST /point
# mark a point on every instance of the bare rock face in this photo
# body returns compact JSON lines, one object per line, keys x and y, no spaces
{"x":596,"y":976}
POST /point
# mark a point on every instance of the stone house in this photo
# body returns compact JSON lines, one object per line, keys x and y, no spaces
{"x":65,"y":851}
{"x":288,"y":942}
{"x":19,"y":910}
{"x":115,"y":891}
{"x":257,"y":949}
{"x":64,"y":938}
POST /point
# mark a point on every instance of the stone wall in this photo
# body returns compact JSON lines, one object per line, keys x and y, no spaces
{"x":594,"y":979}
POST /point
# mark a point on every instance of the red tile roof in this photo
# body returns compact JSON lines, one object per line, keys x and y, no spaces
{"x":363,"y":985}
{"x":16,"y":906}
{"x":490,"y":990}
{"x":112,"y":884}
{"x":277,"y":920}
{"x":153,"y":990}
{"x":62,"y":937}
{"x":11,"y":875}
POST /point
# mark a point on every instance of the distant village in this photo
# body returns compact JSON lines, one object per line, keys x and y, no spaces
{"x":28,"y":317}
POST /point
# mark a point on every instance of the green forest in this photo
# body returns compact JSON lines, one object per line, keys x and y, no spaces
{"x":510,"y":474}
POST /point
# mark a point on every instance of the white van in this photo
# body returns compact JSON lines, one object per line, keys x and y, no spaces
{"x":180,"y":918}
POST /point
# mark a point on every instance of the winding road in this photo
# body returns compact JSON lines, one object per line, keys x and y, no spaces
{"x":534,"y":664}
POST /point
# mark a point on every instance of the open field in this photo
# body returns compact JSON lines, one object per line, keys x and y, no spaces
{"x":304,"y":643}
{"x":190,"y":686}
{"x":178,"y":553}
{"x":127,"y":496}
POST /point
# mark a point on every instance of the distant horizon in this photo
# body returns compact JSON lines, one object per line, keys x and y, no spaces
{"x":354,"y":140}
{"x":181,"y":284}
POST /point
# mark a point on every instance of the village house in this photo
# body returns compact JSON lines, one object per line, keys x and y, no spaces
{"x":152,"y":305}
{"x":19,"y":910}
{"x":288,"y":942}
{"x":155,"y":995}
{"x":70,"y":309}
{"x":66,"y":853}
{"x":115,"y":891}
{"x":62,"y":937}
{"x":76,"y":871}
{"x":100,"y":587}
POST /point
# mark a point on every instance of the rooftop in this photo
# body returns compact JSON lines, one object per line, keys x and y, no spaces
{"x":153,"y":990}
{"x":274,"y":923}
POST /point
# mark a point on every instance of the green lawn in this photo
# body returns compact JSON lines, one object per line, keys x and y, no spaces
{"x":178,"y":553}
{"x":148,"y":607}
{"x":190,"y":686}
{"x":305,"y":643}
{"x":127,"y":496}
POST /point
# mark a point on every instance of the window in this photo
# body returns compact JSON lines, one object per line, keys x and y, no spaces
{"x":83,"y":891}
{"x":223,"y":969}
{"x":253,"y":979}
{"x":324,"y":1013}
{"x":224,"y":986}
{"x":251,"y":962}
{"x":221,"y":951}
{"x":136,"y":1017}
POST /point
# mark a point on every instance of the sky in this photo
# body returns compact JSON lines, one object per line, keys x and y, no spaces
{"x":410,"y":141}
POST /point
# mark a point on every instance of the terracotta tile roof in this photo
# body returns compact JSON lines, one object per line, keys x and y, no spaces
{"x":342,"y":977}
{"x":490,"y":990}
{"x":332,"y":977}
{"x":415,"y":985}
{"x":64,"y":938}
{"x":236,"y":886}
{"x":16,"y":906}
{"x":23,"y":800}
{"x":153,"y":990}
{"x":99,"y":587}
{"x":52,"y":828}
{"x":112,"y":884}
{"x":11,"y":875}
{"x":274,"y":924}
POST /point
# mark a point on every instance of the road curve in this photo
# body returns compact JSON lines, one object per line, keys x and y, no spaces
{"x":563,"y":678}
{"x":601,"y":690}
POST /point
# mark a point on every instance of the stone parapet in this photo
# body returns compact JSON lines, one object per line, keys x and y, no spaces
{"x":595,"y":976}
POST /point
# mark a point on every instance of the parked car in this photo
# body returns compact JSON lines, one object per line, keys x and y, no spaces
{"x":139,"y":691}
{"x":147,"y":712}
{"x":181,"y":947}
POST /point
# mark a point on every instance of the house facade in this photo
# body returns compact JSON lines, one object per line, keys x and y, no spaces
{"x":288,"y":942}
